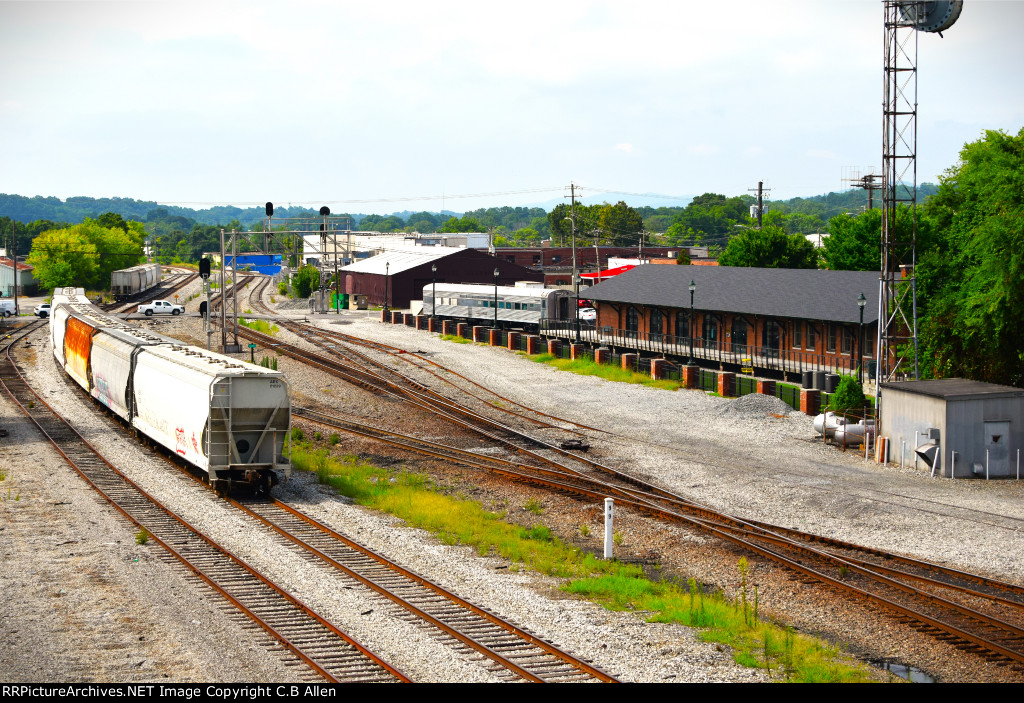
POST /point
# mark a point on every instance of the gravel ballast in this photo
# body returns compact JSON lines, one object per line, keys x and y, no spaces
{"x":748,"y":456}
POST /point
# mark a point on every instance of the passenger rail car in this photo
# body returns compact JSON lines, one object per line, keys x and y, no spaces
{"x":226,"y":417}
{"x":517,"y":306}
{"x":125,"y":283}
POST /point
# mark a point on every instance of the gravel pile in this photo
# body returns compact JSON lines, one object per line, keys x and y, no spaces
{"x":754,"y":404}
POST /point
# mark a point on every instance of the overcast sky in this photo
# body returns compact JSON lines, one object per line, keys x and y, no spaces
{"x":385,"y":106}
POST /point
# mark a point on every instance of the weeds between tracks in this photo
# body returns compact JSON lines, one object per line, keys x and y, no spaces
{"x":755,"y":642}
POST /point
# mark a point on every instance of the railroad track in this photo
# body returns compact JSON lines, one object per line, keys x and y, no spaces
{"x":516,"y":654}
{"x":326,"y":650}
{"x":164,"y":290}
{"x":969,"y":611}
{"x":519,"y":653}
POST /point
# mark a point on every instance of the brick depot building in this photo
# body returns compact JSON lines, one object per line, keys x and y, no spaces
{"x":787,"y":320}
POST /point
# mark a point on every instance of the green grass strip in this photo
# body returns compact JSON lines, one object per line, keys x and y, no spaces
{"x":260,"y":326}
{"x":587,"y":367}
{"x":412,"y":497}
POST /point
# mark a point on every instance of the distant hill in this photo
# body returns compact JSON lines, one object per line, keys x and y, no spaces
{"x":75,"y":209}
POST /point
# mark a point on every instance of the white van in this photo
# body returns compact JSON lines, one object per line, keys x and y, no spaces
{"x":6,"y":308}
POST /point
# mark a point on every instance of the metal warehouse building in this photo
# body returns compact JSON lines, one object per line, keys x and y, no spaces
{"x":397,"y":276}
{"x":963,"y":428}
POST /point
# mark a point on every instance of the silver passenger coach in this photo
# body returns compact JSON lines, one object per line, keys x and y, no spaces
{"x":517,"y":306}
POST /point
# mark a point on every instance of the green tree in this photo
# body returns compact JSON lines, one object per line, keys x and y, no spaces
{"x":112,"y":220}
{"x":305,"y":281}
{"x":621,"y":224}
{"x":971,"y":265}
{"x":769,"y":247}
{"x":63,"y":257}
{"x":454,"y":225}
{"x":853,"y":243}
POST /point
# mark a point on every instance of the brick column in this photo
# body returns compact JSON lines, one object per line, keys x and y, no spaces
{"x":513,"y":341}
{"x":576,"y":351}
{"x":603,"y":355}
{"x":462,"y":329}
{"x":765,"y":387}
{"x":810,"y":401}
{"x":533,"y":345}
{"x":726,"y":384}
{"x":657,"y":368}
{"x":480,"y":333}
{"x":432,"y":324}
{"x":409,"y":319}
{"x":448,"y":327}
{"x":691,"y":376}
{"x":629,"y":361}
{"x":421,"y":322}
{"x":384,"y":316}
{"x":494,"y":335}
{"x":396,"y":317}
{"x":553,"y":346}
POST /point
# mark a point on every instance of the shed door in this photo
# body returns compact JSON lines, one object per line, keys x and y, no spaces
{"x":997,"y":444}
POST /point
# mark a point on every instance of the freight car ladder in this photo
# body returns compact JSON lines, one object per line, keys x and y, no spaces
{"x":219,"y":428}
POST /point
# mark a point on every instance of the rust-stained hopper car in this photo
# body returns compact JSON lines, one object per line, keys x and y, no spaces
{"x":227,"y":417}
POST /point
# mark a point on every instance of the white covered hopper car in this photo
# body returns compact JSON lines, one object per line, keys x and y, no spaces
{"x":125,"y":283}
{"x":227,"y":417}
{"x":517,"y":306}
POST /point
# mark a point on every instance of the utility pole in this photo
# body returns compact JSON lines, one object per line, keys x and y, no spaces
{"x":575,"y":278}
{"x":760,"y":200}
{"x":14,"y":261}
{"x":223,"y":299}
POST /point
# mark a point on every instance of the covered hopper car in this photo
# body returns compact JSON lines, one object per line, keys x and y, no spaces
{"x":226,"y":417}
{"x":126,"y":283}
{"x":517,"y":306}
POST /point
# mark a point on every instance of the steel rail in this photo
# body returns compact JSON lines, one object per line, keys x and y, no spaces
{"x":388,"y":593}
{"x":866,"y":569}
{"x":679,"y":501}
{"x":11,"y":377}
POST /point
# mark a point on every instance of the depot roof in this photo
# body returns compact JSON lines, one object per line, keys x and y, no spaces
{"x":808,"y":294}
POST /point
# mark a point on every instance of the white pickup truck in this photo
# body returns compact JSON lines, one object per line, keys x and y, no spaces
{"x":161,"y":307}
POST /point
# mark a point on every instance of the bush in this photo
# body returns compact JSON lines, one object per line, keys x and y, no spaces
{"x":849,"y":395}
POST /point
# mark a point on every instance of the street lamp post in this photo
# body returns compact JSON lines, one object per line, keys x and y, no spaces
{"x":433,"y":293}
{"x":861,"y":301}
{"x":387,"y":285}
{"x":496,"y":274}
{"x":575,"y":278}
{"x":693,"y":287}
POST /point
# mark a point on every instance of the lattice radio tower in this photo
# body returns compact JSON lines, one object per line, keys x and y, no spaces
{"x":897,"y":318}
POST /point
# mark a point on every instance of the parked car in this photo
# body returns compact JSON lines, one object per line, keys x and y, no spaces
{"x":161,"y":307}
{"x":6,"y":308}
{"x":588,"y":315}
{"x":42,"y":310}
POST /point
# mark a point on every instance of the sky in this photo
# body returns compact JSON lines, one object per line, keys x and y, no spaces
{"x":390,"y":106}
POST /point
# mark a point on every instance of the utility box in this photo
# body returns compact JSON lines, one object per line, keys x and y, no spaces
{"x":357,"y":301}
{"x":959,"y":424}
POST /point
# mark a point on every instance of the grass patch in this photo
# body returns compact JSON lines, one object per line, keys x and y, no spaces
{"x":456,"y":338}
{"x":783,"y":653}
{"x":260,"y":326}
{"x":587,"y":367}
{"x":411,"y":496}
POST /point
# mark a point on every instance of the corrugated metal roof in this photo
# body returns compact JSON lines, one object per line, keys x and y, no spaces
{"x":4,"y":261}
{"x":953,"y":388}
{"x":809,"y":294}
{"x":401,"y":259}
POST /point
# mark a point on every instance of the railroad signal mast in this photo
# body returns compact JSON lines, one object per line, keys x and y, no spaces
{"x":897,"y":318}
